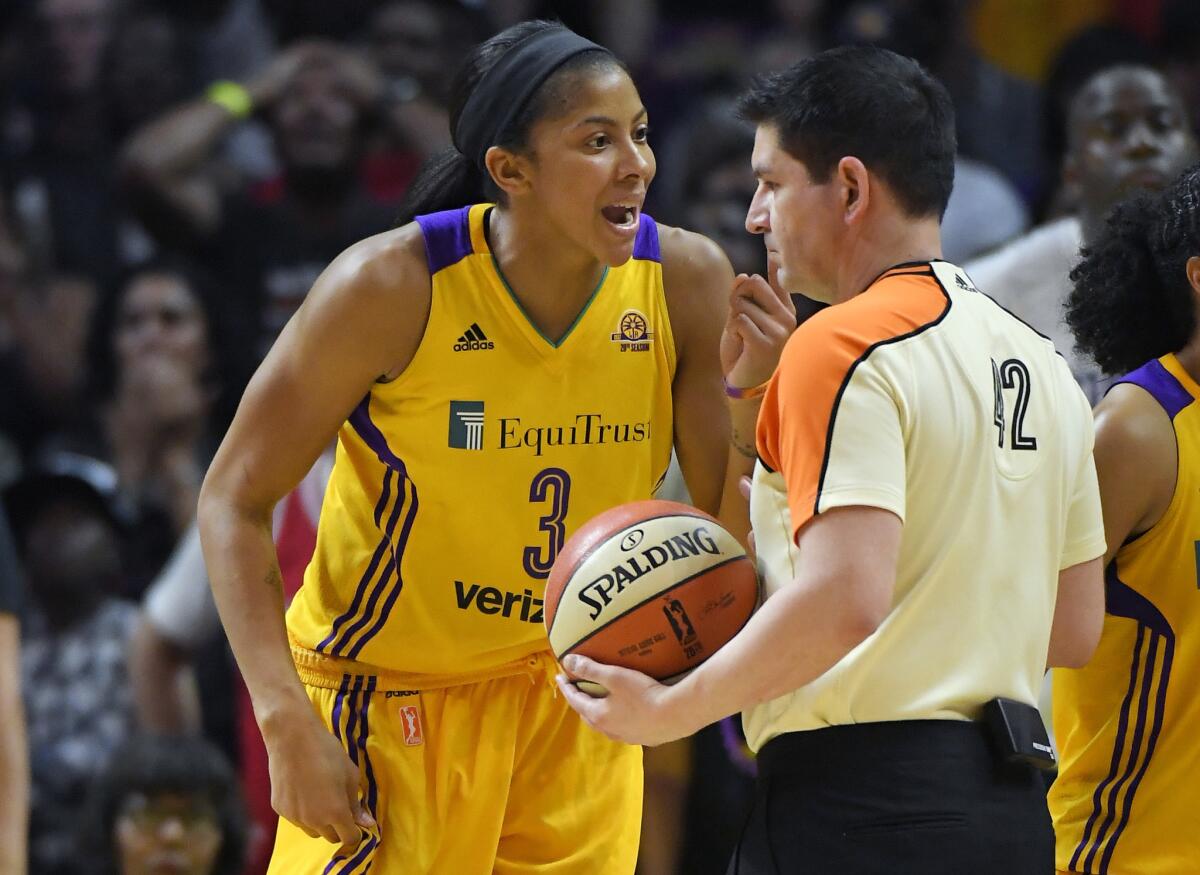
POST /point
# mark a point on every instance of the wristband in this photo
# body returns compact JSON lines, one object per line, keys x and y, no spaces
{"x":232,"y":97}
{"x":752,"y":392}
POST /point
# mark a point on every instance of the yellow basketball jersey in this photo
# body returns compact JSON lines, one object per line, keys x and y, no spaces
{"x":456,"y":484}
{"x":1127,"y":793}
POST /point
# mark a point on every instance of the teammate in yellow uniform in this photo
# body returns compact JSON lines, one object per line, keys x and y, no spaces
{"x":496,"y":374}
{"x":1126,"y":796}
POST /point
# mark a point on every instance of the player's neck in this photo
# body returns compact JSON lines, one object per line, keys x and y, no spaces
{"x":551,"y":277}
{"x":883,"y":245}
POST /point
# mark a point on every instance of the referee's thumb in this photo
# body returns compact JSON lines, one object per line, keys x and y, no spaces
{"x":581,"y":667}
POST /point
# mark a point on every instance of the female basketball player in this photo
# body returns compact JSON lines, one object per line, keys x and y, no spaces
{"x":1126,"y":723}
{"x":495,"y":376}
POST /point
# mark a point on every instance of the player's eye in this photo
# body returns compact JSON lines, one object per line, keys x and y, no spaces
{"x":641,"y":134}
{"x":599,"y":141}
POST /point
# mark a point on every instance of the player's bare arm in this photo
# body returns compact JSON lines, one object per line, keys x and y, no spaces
{"x":1130,"y":424}
{"x":362,"y":321}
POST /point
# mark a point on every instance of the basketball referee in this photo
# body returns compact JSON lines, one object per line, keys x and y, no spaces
{"x":924,"y":505}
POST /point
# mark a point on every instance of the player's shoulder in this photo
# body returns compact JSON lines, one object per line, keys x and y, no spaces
{"x":390,"y":263}
{"x":1132,"y":421}
{"x":379,"y":286}
{"x":688,"y":253}
{"x":696,"y":275}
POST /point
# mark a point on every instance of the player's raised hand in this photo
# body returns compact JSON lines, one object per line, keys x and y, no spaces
{"x":315,"y":785}
{"x":760,"y":320}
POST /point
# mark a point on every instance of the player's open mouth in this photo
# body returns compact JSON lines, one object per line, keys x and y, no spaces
{"x":623,"y":216}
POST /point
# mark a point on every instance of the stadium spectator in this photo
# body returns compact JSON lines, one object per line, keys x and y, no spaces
{"x":270,"y":242}
{"x":75,"y":684}
{"x":1127,"y":131}
{"x":167,"y":805}
{"x":414,"y":43}
{"x":161,"y":374}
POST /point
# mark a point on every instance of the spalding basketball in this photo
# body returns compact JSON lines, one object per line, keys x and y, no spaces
{"x":655,"y":586}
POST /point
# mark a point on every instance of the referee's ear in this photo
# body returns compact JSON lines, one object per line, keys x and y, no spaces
{"x":854,"y":189}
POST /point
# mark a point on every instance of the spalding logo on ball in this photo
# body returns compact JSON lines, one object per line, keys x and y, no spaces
{"x":655,"y":586}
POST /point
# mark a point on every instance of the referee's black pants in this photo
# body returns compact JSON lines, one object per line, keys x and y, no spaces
{"x":913,"y":797}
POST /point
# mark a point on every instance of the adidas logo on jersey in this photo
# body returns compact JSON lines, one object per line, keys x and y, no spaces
{"x":473,"y":338}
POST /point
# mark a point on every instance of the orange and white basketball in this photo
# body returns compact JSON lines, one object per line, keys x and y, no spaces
{"x":655,"y":586}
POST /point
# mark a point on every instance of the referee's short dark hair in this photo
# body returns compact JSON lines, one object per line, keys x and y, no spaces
{"x":868,"y":103}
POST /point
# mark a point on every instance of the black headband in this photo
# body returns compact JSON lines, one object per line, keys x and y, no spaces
{"x":504,"y":90}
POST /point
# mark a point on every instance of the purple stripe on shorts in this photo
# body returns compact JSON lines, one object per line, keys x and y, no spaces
{"x":347,"y":739}
{"x":1160,"y":383}
{"x":645,"y":244}
{"x":447,"y":237}
{"x":352,"y":721}
{"x":335,"y":718}
{"x":372,"y":786}
{"x":357,"y":860}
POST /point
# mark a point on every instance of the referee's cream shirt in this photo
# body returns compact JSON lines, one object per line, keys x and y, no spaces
{"x":923,"y":397}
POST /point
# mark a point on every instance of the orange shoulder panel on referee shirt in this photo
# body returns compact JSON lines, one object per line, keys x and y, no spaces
{"x":816,"y":367}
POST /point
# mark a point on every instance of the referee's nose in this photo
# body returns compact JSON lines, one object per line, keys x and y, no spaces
{"x":758,"y":216}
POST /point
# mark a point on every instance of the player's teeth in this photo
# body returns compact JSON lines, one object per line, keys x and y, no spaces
{"x":628,"y":215}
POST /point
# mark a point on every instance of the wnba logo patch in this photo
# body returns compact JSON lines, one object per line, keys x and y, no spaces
{"x":410,"y":717}
{"x":466,"y":425}
{"x":633,"y":332}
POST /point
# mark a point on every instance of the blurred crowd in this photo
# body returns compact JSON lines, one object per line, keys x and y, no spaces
{"x":174,"y":174}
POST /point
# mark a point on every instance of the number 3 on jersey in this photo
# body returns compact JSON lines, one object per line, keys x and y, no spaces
{"x":1012,"y":374}
{"x":552,"y":485}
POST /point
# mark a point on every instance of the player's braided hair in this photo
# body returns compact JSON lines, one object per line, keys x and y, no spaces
{"x":1131,"y":300}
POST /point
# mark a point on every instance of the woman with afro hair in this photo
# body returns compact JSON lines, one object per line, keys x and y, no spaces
{"x":1126,"y":722}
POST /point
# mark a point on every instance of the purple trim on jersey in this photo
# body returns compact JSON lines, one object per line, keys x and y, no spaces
{"x":1160,"y":383}
{"x":368,"y":612}
{"x":381,"y":585}
{"x":359,"y":593}
{"x":395,"y":593}
{"x":645,"y":244}
{"x":366,"y":429}
{"x":384,"y":495}
{"x":1123,"y":601}
{"x":447,"y":237}
{"x":360,"y":420}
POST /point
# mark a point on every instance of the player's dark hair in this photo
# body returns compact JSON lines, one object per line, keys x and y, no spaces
{"x":164,"y":765}
{"x":869,"y":103}
{"x":1131,"y":300}
{"x":451,"y":179}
